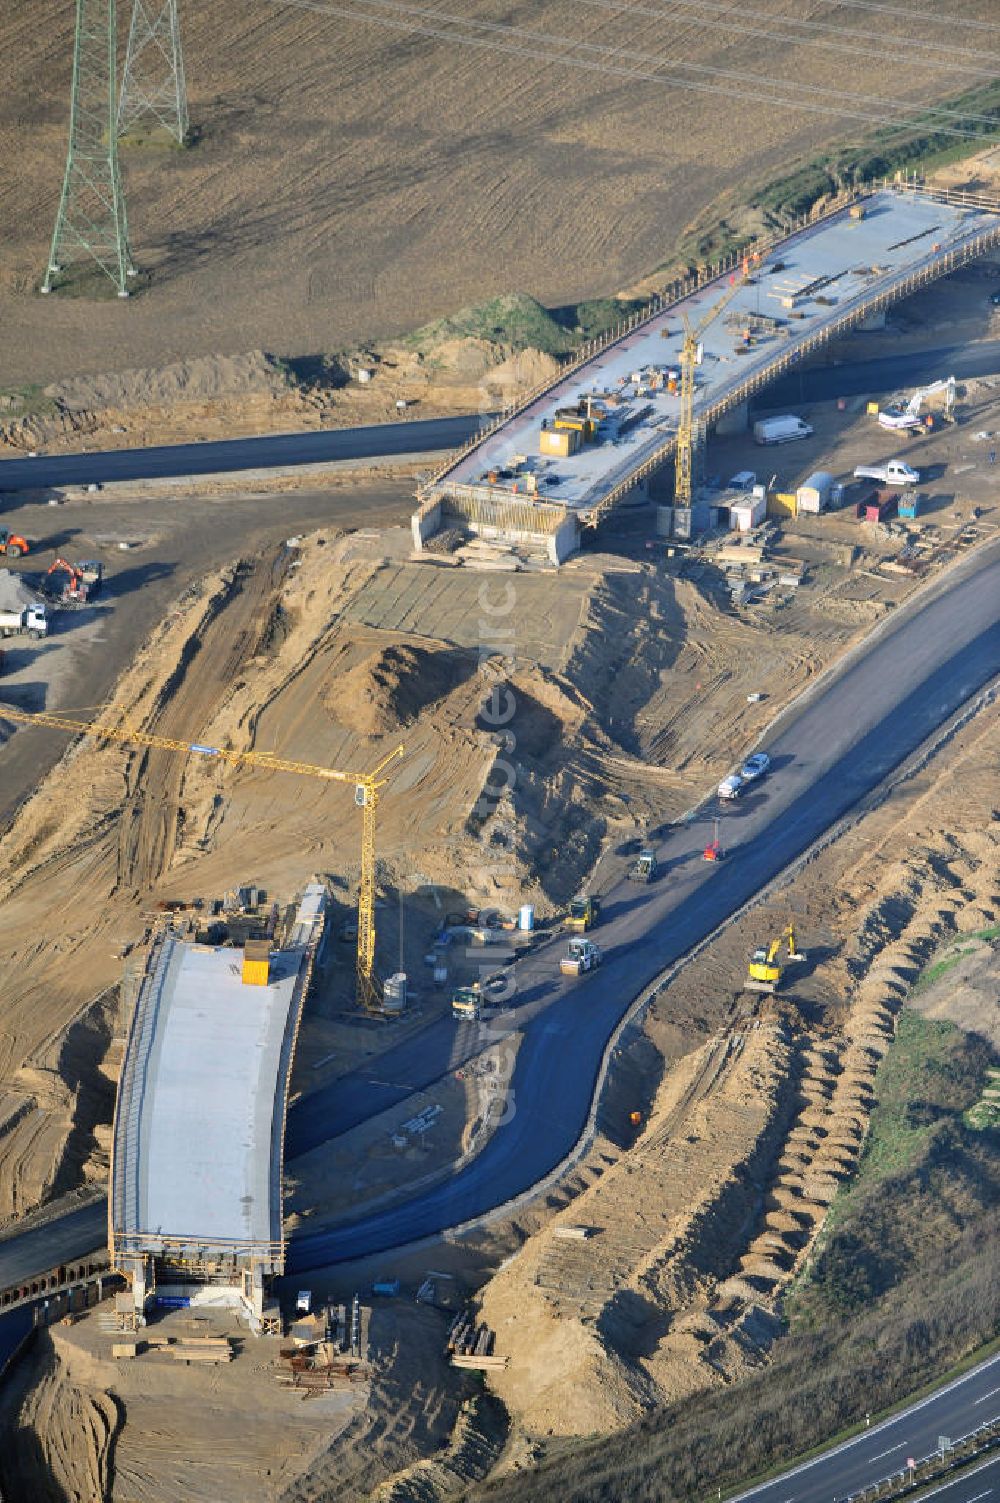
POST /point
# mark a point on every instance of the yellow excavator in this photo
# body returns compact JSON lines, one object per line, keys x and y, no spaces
{"x":765,"y":972}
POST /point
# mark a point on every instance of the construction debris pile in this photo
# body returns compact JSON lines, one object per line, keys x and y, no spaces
{"x":471,"y":1344}
{"x":329,"y":1350}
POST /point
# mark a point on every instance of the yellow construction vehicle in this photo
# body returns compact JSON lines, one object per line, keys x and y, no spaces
{"x":584,"y":914}
{"x":366,"y":792}
{"x":764,"y":972}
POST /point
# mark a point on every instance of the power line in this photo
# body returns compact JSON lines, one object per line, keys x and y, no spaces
{"x":703,"y":9}
{"x":414,"y":20}
{"x":915,"y":18}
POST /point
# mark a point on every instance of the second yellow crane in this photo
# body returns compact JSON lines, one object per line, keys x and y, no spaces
{"x":367,"y":786}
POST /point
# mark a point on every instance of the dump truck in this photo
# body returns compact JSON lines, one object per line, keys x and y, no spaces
{"x":29,"y":621}
{"x":467,"y":1004}
{"x":780,"y":430}
{"x":893,"y":472}
{"x":582,"y":956}
{"x":644,"y":867}
{"x":584,"y":914}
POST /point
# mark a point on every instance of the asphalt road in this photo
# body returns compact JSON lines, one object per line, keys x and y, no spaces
{"x":61,"y":1240}
{"x":971,"y":1486}
{"x":826,"y":381}
{"x":955,"y":1410}
{"x":379,"y":440}
{"x":827,"y":753}
{"x":420,"y":435}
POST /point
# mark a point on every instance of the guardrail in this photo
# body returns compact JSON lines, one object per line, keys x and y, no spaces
{"x":978,"y":1442}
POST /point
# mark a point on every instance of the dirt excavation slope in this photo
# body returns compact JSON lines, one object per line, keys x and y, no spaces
{"x":350,"y":178}
{"x":666,"y":1274}
{"x":630,"y":691}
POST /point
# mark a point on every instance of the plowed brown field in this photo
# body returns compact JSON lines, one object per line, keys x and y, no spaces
{"x":352,"y":180}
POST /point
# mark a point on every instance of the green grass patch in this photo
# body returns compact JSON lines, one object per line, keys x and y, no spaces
{"x":519,"y":322}
{"x":925,"y":1172}
{"x":514,"y":321}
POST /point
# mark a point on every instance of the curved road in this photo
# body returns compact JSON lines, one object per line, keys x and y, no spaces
{"x":830,"y":750}
{"x":426,"y":435}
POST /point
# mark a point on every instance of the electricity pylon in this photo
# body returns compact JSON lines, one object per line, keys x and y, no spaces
{"x":153,"y":81}
{"x":91,"y":223}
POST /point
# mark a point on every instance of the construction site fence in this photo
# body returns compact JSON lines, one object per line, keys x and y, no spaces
{"x":195,"y":1249}
{"x":682,"y":287}
{"x":128,"y":1098}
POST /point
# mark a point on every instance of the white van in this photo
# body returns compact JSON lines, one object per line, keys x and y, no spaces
{"x":780,"y":430}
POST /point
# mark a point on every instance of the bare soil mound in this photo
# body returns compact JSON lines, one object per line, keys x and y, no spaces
{"x":392,"y":686}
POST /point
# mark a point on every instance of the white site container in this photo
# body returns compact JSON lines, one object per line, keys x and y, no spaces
{"x":746,"y":515}
{"x":814,"y":492}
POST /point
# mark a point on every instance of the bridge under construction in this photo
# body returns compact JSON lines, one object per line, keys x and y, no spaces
{"x":576,"y":448}
{"x":195,"y":1203}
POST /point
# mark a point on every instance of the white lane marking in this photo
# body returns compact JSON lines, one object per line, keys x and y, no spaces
{"x":846,"y":1445}
{"x":902,"y":1443}
{"x":964,"y":1478}
{"x":990,"y":1395}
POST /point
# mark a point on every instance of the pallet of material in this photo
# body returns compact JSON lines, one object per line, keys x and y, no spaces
{"x":201,"y":1349}
{"x":483,"y":1360}
{"x":124,"y":1349}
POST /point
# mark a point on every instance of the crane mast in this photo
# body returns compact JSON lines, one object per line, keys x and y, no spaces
{"x":683,"y":460}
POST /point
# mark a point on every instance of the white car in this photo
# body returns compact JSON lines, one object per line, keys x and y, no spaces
{"x":755,"y":767}
{"x":731,"y":787}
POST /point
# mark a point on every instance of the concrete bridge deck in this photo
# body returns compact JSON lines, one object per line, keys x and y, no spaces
{"x":821,"y":280}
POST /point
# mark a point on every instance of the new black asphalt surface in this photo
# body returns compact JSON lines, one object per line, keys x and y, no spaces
{"x":824,"y":382}
{"x":379,"y":440}
{"x":832,"y":748}
{"x":954,"y":1411}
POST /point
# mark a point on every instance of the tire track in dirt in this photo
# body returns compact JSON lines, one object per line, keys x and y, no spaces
{"x":230,"y":638}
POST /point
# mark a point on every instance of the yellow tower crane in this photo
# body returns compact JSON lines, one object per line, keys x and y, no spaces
{"x":366,"y":794}
{"x":689,"y":359}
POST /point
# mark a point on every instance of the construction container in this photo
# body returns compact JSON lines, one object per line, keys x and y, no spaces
{"x":878,"y":505}
{"x":394,"y":993}
{"x":256,"y":962}
{"x":782,"y":504}
{"x":909,"y":506}
{"x":813,"y":495}
{"x":560,"y":442}
{"x":745,"y":515}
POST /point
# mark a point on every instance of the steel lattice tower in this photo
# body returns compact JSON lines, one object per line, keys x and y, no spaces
{"x":91,"y":224}
{"x":153,"y":80}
